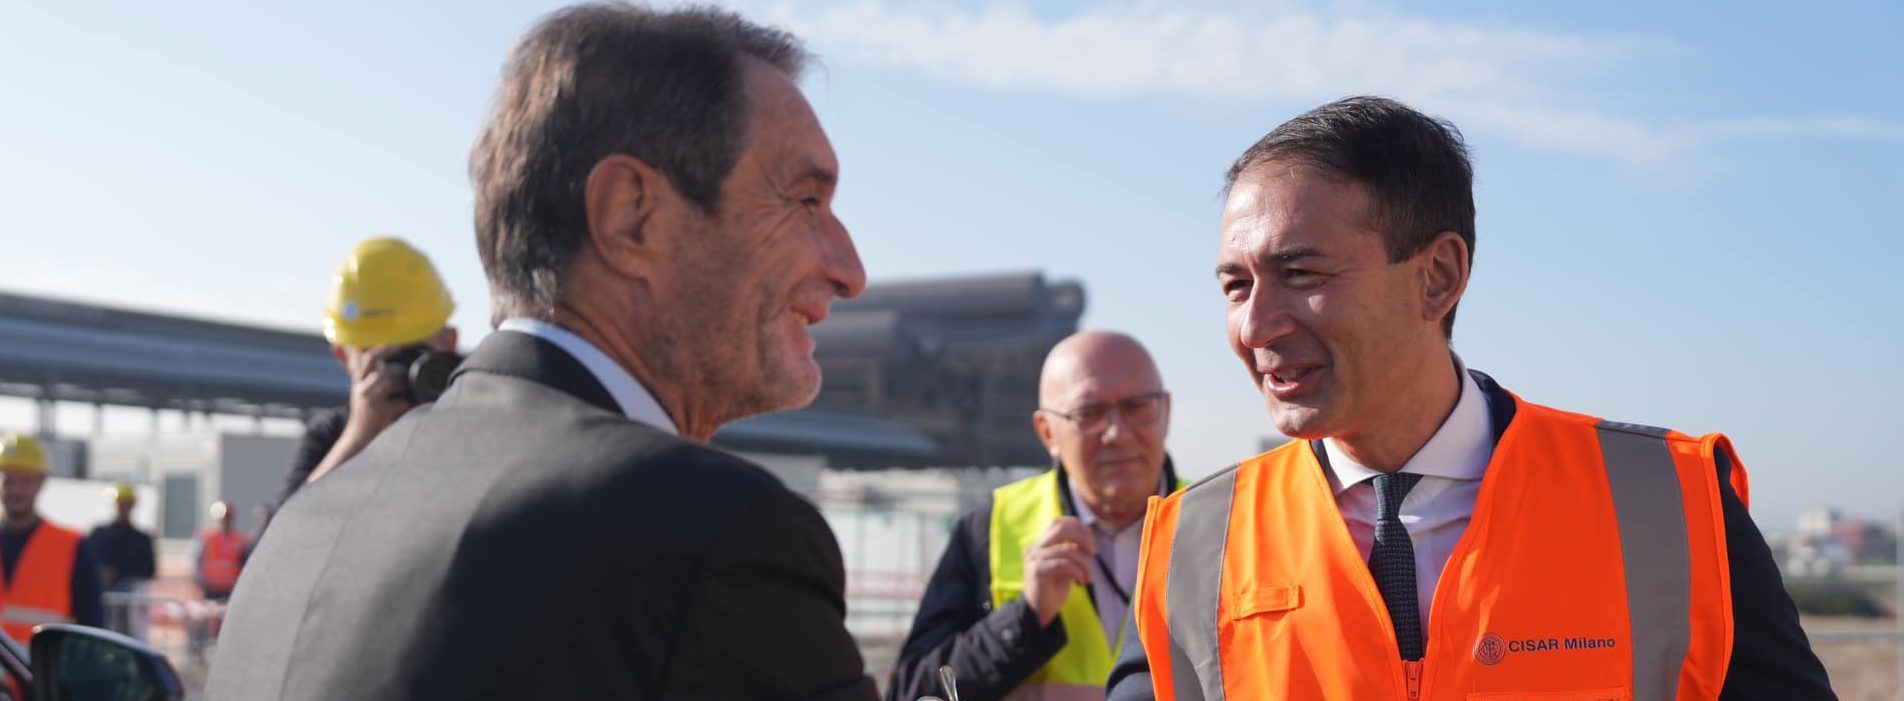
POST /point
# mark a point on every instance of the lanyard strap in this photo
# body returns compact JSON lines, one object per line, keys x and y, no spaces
{"x":1111,"y":579}
{"x":1071,"y":509}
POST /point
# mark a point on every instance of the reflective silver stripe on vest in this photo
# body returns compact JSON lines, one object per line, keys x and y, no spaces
{"x":1193,"y":582}
{"x":28,"y":615}
{"x":1658,"y":564}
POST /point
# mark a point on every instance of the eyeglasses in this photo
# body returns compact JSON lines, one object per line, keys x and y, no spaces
{"x":1138,"y":411}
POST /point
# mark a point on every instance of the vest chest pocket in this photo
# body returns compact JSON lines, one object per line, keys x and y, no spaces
{"x":1259,"y":616}
{"x":1619,"y":694}
{"x":1267,"y":603}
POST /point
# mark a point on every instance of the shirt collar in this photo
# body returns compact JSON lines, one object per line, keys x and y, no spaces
{"x":1088,"y":516}
{"x":636,"y":401}
{"x":1459,"y":450}
{"x":1091,"y":519}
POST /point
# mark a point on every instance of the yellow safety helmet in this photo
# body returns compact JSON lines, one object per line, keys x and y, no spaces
{"x":124,"y":493}
{"x":386,"y":293}
{"x":22,"y":454}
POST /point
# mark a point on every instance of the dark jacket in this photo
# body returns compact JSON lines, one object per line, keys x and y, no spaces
{"x":1771,"y":659}
{"x":125,"y":550}
{"x":521,"y":538}
{"x":321,"y":432}
{"x":992,"y":650}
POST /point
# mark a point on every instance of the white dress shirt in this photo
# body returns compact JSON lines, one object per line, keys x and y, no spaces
{"x":1437,"y":510}
{"x":1119,"y":550}
{"x":635,"y":400}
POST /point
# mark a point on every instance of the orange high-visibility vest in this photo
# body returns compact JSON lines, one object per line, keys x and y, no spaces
{"x":220,"y":557}
{"x":1594,"y":567}
{"x":42,"y":586}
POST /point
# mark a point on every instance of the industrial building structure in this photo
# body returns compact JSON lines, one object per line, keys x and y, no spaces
{"x":918,"y":374}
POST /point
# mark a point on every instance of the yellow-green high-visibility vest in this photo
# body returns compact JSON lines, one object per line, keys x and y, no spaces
{"x":1021,"y":511}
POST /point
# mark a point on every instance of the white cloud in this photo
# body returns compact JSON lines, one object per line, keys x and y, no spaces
{"x":1129,"y":50}
{"x":1840,"y":126}
{"x":1578,"y":131}
{"x":1523,"y":83}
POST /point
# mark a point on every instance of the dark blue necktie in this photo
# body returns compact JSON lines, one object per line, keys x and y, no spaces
{"x":1392,"y":561}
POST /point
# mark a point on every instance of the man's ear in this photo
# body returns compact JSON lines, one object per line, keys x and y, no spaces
{"x":621,"y":199}
{"x":1042,"y":424}
{"x":1444,"y":275}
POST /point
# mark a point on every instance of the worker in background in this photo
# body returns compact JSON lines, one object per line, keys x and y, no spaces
{"x":1430,"y":535}
{"x":51,"y":575}
{"x":126,"y":554}
{"x":220,"y":552}
{"x":127,"y":558}
{"x":387,"y":306}
{"x":1031,"y":594}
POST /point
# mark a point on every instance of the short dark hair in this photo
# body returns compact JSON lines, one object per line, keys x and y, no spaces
{"x":594,"y":80}
{"x":1415,"y":167}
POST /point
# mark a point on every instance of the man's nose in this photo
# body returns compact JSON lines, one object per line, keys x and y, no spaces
{"x":1265,"y":318}
{"x":1116,"y":429}
{"x":840,"y":261}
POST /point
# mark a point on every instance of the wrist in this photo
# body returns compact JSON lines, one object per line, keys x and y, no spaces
{"x":356,"y":433}
{"x":1045,"y":616}
{"x":347,"y":445}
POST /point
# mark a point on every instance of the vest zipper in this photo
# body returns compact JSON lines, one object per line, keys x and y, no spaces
{"x":1412,"y":668}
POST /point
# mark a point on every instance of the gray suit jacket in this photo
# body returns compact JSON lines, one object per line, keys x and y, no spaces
{"x":521,"y":538}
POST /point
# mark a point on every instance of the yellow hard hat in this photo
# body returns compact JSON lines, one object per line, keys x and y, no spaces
{"x":22,"y":454}
{"x":124,"y":493}
{"x":386,"y":293}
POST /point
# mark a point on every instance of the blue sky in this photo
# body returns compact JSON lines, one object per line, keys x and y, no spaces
{"x":1686,"y":213}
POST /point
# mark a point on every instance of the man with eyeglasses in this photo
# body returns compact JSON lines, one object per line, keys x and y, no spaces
{"x":1029,"y":597}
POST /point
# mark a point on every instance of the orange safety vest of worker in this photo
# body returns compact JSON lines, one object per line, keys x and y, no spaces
{"x":1593,"y":568}
{"x":41,"y":590}
{"x":220,"y":557}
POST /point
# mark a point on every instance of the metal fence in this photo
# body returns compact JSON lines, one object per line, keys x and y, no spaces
{"x":186,"y":630}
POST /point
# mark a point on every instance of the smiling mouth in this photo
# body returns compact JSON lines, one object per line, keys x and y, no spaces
{"x":808,"y":314}
{"x":1290,"y":376}
{"x":1289,"y":382}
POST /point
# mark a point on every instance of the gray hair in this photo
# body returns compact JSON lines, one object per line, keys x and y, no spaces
{"x":594,"y":80}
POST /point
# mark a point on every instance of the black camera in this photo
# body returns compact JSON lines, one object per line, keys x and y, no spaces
{"x":426,"y":372}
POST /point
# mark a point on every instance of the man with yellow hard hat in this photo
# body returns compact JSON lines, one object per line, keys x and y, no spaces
{"x":50,"y":573}
{"x":125,"y":553}
{"x":388,"y":324}
{"x":127,"y":558}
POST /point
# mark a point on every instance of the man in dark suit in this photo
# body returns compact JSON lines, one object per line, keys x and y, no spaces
{"x":653,"y":212}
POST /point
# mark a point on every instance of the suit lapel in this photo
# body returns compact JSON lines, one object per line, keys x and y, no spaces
{"x":523,"y":356}
{"x":1501,"y":406}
